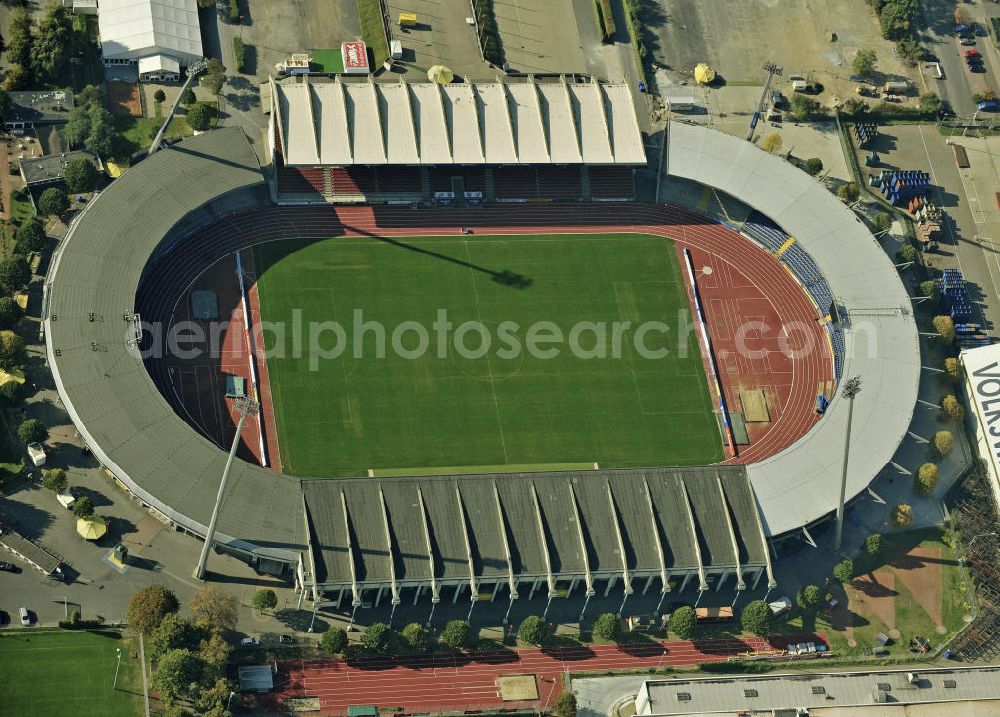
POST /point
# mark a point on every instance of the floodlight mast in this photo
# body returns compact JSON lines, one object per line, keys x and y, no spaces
{"x":851,"y":388}
{"x":771,"y":69}
{"x":245,"y":408}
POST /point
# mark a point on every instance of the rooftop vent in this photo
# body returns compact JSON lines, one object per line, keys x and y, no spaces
{"x":950,"y":684}
{"x":683,"y":696}
{"x":749,"y":693}
{"x":818,"y":690}
{"x":884,"y":686}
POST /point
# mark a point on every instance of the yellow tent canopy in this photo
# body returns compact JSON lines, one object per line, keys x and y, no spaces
{"x":703,"y":74}
{"x":92,"y":528}
{"x":440,"y":74}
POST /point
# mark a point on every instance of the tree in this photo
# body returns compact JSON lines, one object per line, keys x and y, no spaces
{"x":682,"y":622}
{"x":952,"y":409}
{"x":90,"y":127}
{"x":334,"y":640}
{"x":83,"y":507}
{"x":200,"y":117}
{"x":532,"y":630}
{"x":951,"y":368}
{"x":19,"y":39}
{"x":214,"y":651}
{"x":456,"y":634}
{"x":10,"y":313}
{"x":854,"y":107}
{"x":849,"y":192}
{"x":844,"y":570}
{"x":864,"y":63}
{"x":756,"y":618}
{"x":12,"y":392}
{"x":53,"y":201}
{"x":173,"y":632}
{"x":803,"y":108}
{"x":81,"y":175}
{"x":176,"y":672}
{"x":377,"y":638}
{"x":12,"y":354}
{"x":944,"y":443}
{"x":565,"y":705}
{"x":930,"y":289}
{"x":160,"y":96}
{"x":15,"y":78}
{"x":813,"y":166}
{"x":187,"y":97}
{"x":30,"y":237}
{"x":882,"y":221}
{"x":945,"y":328}
{"x":926,"y":479}
{"x":771,"y":143}
{"x":909,"y":51}
{"x":902,"y":516}
{"x":873,"y":544}
{"x":907,"y":254}
{"x":264,"y":599}
{"x":930,"y":104}
{"x":90,"y":95}
{"x":961,"y":16}
{"x":809,"y":597}
{"x":607,"y":627}
{"x":149,"y":606}
{"x":416,"y":637}
{"x":215,"y":76}
{"x":32,"y":431}
{"x":894,"y":17}
{"x":55,"y":480}
{"x":53,"y":40}
{"x":214,"y":607}
{"x":15,"y":273}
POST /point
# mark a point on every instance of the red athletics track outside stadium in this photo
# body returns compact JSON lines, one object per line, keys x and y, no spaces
{"x":456,"y":683}
{"x":745,"y":284}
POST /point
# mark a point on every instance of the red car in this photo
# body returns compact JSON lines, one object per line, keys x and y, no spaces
{"x":970,"y":53}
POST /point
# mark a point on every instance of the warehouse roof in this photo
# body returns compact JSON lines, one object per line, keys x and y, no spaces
{"x":366,"y":122}
{"x":801,"y":483}
{"x":129,"y":25}
{"x":563,"y":523}
{"x":39,"y":107}
{"x":52,"y":167}
{"x":708,"y":696}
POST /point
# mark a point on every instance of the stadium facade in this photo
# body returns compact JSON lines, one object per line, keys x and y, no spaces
{"x":439,"y":537}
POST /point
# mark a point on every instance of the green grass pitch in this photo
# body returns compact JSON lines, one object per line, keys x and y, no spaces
{"x":68,"y":673}
{"x":400,"y":415}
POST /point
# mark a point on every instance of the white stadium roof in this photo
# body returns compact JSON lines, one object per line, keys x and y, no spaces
{"x":130,"y":27}
{"x":802,"y":482}
{"x":345,"y":123}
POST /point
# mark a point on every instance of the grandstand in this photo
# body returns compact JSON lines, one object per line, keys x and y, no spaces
{"x":365,"y":142}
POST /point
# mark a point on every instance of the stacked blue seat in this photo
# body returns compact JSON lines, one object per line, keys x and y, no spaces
{"x":955,"y":297}
{"x":764,"y":231}
{"x":839,"y":348}
{"x":821,"y":294}
{"x":899,"y":187}
{"x":802,"y":265}
{"x":865,"y":132}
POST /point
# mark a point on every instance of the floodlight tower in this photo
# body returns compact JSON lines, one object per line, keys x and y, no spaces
{"x":771,"y":69}
{"x":851,"y":388}
{"x":245,"y":408}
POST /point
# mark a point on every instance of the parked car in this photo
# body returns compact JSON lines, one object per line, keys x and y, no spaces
{"x":286,"y":639}
{"x":9,"y":568}
{"x":967,"y":41}
{"x":928,"y":56}
{"x":970,"y":53}
{"x":977,"y":67}
{"x":25,"y":616}
{"x":249,"y":642}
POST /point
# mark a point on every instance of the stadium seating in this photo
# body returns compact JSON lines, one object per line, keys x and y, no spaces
{"x":515,"y":182}
{"x":839,"y":348}
{"x":399,"y":180}
{"x":475,"y":178}
{"x":559,"y":182}
{"x":764,"y":231}
{"x":611,"y":182}
{"x":801,"y":264}
{"x":300,"y":180}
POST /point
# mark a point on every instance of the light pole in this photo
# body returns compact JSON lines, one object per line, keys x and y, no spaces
{"x":65,"y":602}
{"x":852,"y":387}
{"x":114,"y":685}
{"x":245,"y":408}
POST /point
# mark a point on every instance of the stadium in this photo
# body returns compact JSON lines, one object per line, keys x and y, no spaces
{"x":393,"y":486}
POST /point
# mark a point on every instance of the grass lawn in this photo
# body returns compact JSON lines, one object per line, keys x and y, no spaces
{"x":373,"y":30}
{"x":68,"y":673}
{"x":505,"y":410}
{"x":139,"y":131}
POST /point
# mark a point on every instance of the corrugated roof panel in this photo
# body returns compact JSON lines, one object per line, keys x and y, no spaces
{"x":497,"y":124}
{"x":626,"y":139}
{"x":588,"y":106}
{"x":331,"y":116}
{"x":564,"y":138}
{"x":432,"y":129}
{"x":400,"y":134}
{"x":463,"y":115}
{"x":365,"y":122}
{"x":532,"y":139}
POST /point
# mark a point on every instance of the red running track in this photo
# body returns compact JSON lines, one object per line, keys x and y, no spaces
{"x":746,"y":284}
{"x":456,"y":683}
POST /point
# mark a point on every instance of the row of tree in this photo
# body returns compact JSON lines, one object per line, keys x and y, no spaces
{"x":190,"y":654}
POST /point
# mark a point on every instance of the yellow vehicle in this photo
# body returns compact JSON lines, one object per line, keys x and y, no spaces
{"x":407,"y":19}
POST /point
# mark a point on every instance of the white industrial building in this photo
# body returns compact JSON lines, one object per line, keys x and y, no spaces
{"x":981,"y":389}
{"x":161,"y":36}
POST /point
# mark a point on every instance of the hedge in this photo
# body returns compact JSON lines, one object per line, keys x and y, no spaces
{"x":605,"y":20}
{"x":489,"y":34}
{"x":239,"y":54}
{"x":233,"y":11}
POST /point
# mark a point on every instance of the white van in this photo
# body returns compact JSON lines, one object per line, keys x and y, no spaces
{"x":25,"y":617}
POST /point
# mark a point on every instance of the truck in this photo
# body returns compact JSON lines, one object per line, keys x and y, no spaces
{"x":896,"y":88}
{"x":799,"y":83}
{"x":37,"y":454}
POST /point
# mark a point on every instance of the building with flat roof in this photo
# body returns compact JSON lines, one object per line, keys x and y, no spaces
{"x":132,"y":30}
{"x":27,"y":109}
{"x":888,"y":693}
{"x":49,"y":169}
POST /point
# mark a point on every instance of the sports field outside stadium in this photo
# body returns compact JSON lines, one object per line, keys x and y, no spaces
{"x":625,"y":385}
